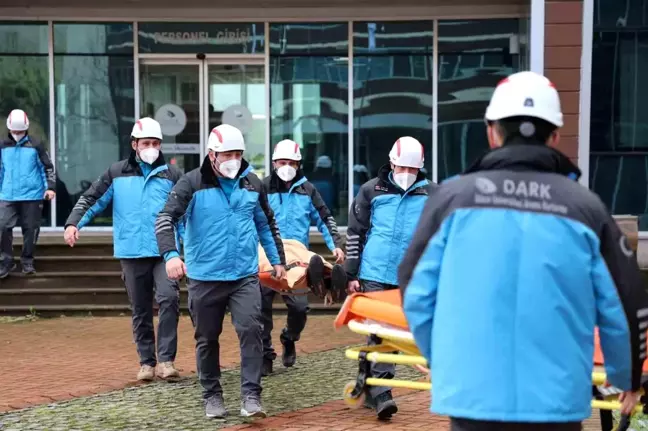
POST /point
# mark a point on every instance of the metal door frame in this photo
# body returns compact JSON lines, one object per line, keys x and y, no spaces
{"x":203,"y":77}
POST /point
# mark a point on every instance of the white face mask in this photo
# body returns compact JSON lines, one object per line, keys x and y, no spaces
{"x":404,"y":181}
{"x":286,"y":173}
{"x":229,"y":168}
{"x":149,"y":155}
{"x":17,"y":136}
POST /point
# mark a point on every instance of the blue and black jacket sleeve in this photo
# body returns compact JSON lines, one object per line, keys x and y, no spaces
{"x":93,"y":201}
{"x":324,"y":220}
{"x":48,"y":168}
{"x":173,"y":213}
{"x":266,"y":225}
{"x":357,"y":230}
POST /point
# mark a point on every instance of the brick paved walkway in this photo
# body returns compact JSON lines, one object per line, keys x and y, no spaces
{"x":413,"y":413}
{"x":58,"y":359}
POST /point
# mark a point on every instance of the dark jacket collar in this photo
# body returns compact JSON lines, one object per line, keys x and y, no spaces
{"x":517,"y":156}
{"x":279,"y":185}
{"x":133,"y":163}
{"x":208,"y":174}
{"x":384,"y":171}
{"x":10,"y":139}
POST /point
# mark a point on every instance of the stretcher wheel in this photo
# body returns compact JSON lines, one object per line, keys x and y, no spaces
{"x":349,"y":399}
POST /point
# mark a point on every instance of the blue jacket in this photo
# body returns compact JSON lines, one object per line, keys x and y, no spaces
{"x":137,"y":199}
{"x":381,"y":223}
{"x":295,"y":207}
{"x":26,"y":170}
{"x":512,"y":266}
{"x":221,"y":234}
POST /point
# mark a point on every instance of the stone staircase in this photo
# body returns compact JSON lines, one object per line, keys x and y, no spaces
{"x":85,"y":279}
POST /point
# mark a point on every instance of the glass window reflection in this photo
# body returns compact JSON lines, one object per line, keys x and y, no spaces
{"x":473,"y":57}
{"x":392,"y":92}
{"x":309,"y":100}
{"x":24,"y":83}
{"x":619,"y":119}
{"x":308,"y":39}
{"x":95,"y":38}
{"x":94,"y":110}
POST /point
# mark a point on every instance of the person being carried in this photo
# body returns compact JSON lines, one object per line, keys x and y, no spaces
{"x":516,"y":262}
{"x":382,"y":220}
{"x":226,"y":213}
{"x":138,"y":187}
{"x":296,"y":204}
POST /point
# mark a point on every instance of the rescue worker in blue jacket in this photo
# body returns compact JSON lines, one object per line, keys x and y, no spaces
{"x":26,"y":178}
{"x":226,"y":213}
{"x":138,"y":188}
{"x":513,"y":265}
{"x":382,"y":220}
{"x":296,"y":204}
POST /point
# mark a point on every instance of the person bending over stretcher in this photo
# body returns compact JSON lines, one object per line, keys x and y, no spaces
{"x":513,"y":265}
{"x":382,"y":220}
{"x":296,"y":204}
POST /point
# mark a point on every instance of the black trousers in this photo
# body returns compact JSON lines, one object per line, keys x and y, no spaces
{"x":458,"y":424}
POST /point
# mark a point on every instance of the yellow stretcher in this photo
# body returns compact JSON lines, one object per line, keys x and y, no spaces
{"x":380,"y":315}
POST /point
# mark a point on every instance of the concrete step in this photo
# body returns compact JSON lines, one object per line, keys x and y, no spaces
{"x":50,"y":310}
{"x":73,"y":264}
{"x":62,"y":249}
{"x":27,"y":298}
{"x":62,"y":280}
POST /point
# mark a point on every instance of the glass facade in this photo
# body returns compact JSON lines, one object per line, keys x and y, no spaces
{"x":24,"y":81}
{"x":94,"y":106}
{"x":345,"y":91}
{"x":618,"y":139}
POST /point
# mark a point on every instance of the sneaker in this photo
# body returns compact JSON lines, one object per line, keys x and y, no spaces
{"x":289,"y":356}
{"x":266,"y":368}
{"x":385,"y":405}
{"x":315,"y":275}
{"x":251,"y":407}
{"x":146,"y":373}
{"x":5,"y":269}
{"x":215,"y":407}
{"x":28,"y":268}
{"x":166,"y":370}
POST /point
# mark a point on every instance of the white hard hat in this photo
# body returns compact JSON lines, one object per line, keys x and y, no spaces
{"x":360,"y":168}
{"x":17,"y":120}
{"x":287,"y":150}
{"x":323,"y":162}
{"x":525,"y":94}
{"x":147,"y":128}
{"x":407,"y":152}
{"x":225,"y":138}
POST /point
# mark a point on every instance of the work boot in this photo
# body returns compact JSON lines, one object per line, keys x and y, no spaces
{"x":215,"y":407}
{"x":289,"y":355}
{"x":166,"y":370}
{"x":146,"y":373}
{"x":6,"y":268}
{"x":385,"y":405}
{"x":251,"y":407}
{"x":266,"y":368}
{"x":28,"y":268}
{"x":315,"y":275}
{"x":338,"y":282}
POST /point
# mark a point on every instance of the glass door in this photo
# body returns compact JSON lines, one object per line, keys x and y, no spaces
{"x":172,"y":94}
{"x":236,"y":95}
